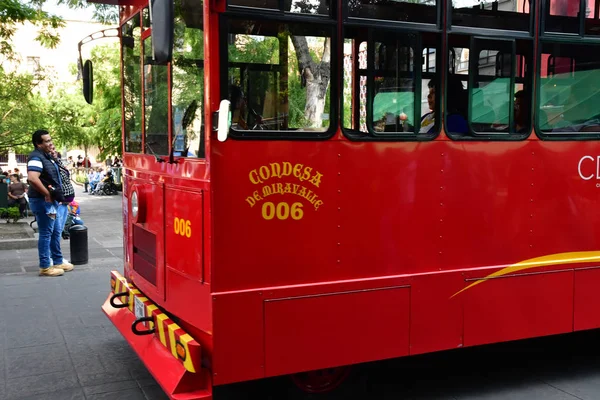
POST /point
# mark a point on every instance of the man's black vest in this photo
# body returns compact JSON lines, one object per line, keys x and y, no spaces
{"x":49,"y":175}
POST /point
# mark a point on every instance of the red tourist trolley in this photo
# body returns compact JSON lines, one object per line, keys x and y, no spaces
{"x":313,"y":184}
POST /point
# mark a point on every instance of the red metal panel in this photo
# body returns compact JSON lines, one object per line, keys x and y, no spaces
{"x":184,"y":232}
{"x":436,"y":319}
{"x":316,"y":332}
{"x":238,"y":337}
{"x":190,"y":300}
{"x":151,"y":205}
{"x":518,"y":307}
{"x":587,"y":299}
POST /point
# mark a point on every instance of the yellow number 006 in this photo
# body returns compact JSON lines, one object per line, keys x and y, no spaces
{"x":282,"y":211}
{"x":182,"y":227}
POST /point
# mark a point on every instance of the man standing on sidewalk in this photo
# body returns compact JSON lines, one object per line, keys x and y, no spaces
{"x":45,"y":190}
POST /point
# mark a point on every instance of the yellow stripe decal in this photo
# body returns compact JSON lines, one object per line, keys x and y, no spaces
{"x":187,"y":363}
{"x":160,"y":319}
{"x":172,"y":328}
{"x":149,"y":310}
{"x":576,"y":257}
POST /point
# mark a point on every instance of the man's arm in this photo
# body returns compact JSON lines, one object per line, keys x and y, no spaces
{"x":12,"y":196}
{"x":34,"y":180}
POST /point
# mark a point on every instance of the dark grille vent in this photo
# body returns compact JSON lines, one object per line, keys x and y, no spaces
{"x":144,"y":254}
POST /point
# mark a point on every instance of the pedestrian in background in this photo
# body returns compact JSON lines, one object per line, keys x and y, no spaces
{"x":67,"y":189}
{"x":45,"y":191}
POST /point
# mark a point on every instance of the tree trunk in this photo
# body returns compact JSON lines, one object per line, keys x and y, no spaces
{"x":316,"y":78}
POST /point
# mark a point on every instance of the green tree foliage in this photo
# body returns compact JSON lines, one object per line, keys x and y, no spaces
{"x":21,"y":110}
{"x":76,"y":123}
{"x":14,"y":12}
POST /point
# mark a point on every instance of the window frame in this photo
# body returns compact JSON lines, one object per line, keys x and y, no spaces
{"x":478,"y":31}
{"x":545,"y":13}
{"x":125,"y":138}
{"x":396,"y":28}
{"x":385,"y":23}
{"x":204,"y":138}
{"x":490,"y":35}
{"x":564,"y":40}
{"x":259,"y":14}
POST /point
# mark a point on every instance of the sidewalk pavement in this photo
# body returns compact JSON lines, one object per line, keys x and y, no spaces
{"x":55,"y":342}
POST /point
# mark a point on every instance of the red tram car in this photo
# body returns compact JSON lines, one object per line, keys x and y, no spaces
{"x":310,"y":185}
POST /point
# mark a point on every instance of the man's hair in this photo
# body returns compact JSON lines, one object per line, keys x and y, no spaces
{"x":431,"y":84}
{"x":15,"y":176}
{"x":36,"y":138}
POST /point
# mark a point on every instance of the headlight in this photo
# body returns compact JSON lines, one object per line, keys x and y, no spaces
{"x":134,"y":204}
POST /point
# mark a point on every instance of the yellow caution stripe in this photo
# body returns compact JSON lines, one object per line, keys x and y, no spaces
{"x":179,"y":343}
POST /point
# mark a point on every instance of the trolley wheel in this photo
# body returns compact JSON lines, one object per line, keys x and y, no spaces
{"x":322,"y":380}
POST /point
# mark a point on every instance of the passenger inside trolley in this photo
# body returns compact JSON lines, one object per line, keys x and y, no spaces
{"x":428,"y":120}
{"x":456,"y":107}
{"x":521,"y":112}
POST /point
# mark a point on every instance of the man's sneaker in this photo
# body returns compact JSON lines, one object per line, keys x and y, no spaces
{"x":51,"y":271}
{"x":65,"y":266}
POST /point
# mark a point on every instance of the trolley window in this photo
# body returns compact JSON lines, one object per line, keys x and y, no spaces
{"x":321,"y":7}
{"x":568,"y":91}
{"x":488,"y":91}
{"x":187,"y":88}
{"x":511,"y":15}
{"x":421,"y":11}
{"x":390,"y":84}
{"x":279,"y":77}
{"x":580,"y":17}
{"x":132,"y":87}
{"x":156,"y":103}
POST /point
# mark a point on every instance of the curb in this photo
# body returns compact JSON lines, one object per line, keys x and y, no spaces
{"x":17,"y":244}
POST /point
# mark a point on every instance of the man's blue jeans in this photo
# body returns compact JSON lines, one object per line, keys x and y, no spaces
{"x":49,"y":230}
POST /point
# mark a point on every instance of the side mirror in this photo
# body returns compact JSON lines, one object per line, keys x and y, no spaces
{"x":224,"y":121}
{"x":88,"y":81}
{"x":163,"y":27}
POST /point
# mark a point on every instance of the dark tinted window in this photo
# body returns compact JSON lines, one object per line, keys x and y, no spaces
{"x":132,"y":85}
{"x":506,"y":15}
{"x":321,"y":7}
{"x":572,"y":16}
{"x":562,"y":16}
{"x":424,"y":11}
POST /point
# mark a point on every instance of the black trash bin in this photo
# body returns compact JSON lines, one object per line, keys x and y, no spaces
{"x":3,"y":193}
{"x":79,"y":244}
